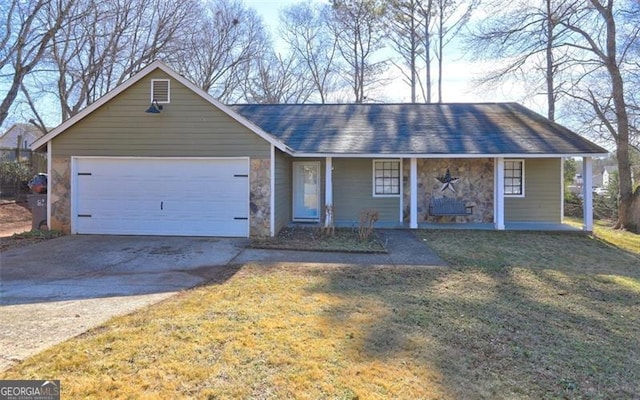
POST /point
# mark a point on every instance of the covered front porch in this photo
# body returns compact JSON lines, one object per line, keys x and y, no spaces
{"x":503,"y":208}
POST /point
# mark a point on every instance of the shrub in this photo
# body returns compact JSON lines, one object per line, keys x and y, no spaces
{"x":14,"y":177}
{"x":367,"y":220}
{"x":14,"y":172}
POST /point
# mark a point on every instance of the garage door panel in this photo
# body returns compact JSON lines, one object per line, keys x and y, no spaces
{"x":192,"y":197}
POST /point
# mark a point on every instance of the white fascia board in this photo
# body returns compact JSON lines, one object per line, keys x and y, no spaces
{"x":173,"y":74}
{"x":434,"y":156}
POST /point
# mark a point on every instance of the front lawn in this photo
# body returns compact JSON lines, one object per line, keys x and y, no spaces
{"x":616,"y":237}
{"x":518,"y":315}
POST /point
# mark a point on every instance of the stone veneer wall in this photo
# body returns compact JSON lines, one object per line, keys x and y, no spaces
{"x":474,"y":187}
{"x":60,"y":194}
{"x":260,"y":188}
{"x":260,"y":197}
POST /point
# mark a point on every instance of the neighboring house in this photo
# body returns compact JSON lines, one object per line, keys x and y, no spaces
{"x":598,"y":180}
{"x":198,"y":167}
{"x":607,"y":173}
{"x":16,"y":141}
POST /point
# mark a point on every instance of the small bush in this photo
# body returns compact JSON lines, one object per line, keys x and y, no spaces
{"x":572,"y":206}
{"x":367,"y":220}
{"x":13,"y":172}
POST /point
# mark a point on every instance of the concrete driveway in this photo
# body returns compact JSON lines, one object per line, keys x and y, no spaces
{"x":60,"y":288}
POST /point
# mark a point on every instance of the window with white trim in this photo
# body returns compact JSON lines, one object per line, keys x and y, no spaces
{"x":514,"y":178}
{"x":386,"y":178}
{"x":160,"y":90}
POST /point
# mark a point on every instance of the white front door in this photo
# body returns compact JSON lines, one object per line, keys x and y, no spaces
{"x":306,"y":191}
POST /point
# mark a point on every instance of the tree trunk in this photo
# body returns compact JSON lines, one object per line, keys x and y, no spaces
{"x":427,"y":53}
{"x":413,"y":54}
{"x":625,"y":194}
{"x":634,"y":215}
{"x":551,"y":103}
{"x":18,"y":76}
{"x":440,"y":49}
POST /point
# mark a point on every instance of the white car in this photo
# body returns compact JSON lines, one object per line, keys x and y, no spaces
{"x":600,"y":191}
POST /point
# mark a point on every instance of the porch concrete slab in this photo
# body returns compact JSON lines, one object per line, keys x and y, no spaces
{"x":510,"y":226}
{"x":403,"y":247}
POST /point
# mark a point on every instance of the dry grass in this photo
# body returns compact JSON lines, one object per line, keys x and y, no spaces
{"x":27,"y":238}
{"x":602,"y":230}
{"x":519,"y":315}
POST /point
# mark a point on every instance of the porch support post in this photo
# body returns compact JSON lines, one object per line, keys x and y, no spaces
{"x":272,"y":193}
{"x":587,"y":193}
{"x":413,"y":182}
{"x":328,"y":191}
{"x":50,"y":184}
{"x":498,"y":203}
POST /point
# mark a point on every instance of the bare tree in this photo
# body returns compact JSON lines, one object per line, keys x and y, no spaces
{"x":278,"y":80}
{"x":529,"y":37}
{"x":590,"y":45}
{"x":605,"y":33}
{"x":109,"y":41}
{"x":406,"y":19}
{"x":217,"y":55}
{"x":304,"y":28}
{"x":359,"y":29}
{"x":450,"y":17}
{"x":29,"y":31}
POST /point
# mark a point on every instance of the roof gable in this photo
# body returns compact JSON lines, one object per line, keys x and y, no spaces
{"x":27,"y":132}
{"x":136,"y":78}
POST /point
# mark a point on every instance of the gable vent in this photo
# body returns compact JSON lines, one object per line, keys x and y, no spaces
{"x":160,"y":90}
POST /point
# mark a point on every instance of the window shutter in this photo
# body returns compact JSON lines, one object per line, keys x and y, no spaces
{"x":160,"y":90}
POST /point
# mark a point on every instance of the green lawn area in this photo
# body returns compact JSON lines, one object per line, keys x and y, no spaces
{"x":517,"y":316}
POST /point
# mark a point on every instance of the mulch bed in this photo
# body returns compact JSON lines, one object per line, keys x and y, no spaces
{"x":313,"y":239}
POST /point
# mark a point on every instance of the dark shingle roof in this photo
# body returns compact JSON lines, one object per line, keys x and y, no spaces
{"x":496,"y":128}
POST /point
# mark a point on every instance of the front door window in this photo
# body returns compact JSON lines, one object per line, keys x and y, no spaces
{"x":306,"y":191}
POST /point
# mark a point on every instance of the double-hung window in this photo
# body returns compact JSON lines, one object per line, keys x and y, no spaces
{"x":514,"y":178}
{"x":386,"y":178}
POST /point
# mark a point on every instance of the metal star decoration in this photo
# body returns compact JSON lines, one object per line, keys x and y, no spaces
{"x":447,"y":181}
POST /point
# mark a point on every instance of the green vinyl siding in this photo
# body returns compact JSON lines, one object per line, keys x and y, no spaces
{"x":188,"y":126}
{"x":542,"y":193}
{"x":283,"y":190}
{"x":353,"y":192}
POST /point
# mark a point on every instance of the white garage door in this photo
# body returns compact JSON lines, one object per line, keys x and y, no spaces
{"x":161,"y":196}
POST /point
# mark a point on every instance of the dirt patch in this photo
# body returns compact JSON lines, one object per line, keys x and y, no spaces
{"x":14,"y":218}
{"x":15,"y":226}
